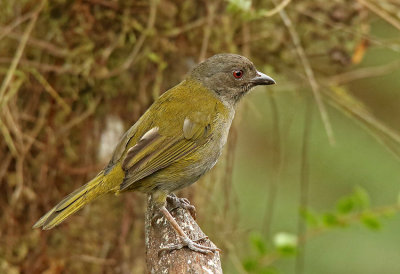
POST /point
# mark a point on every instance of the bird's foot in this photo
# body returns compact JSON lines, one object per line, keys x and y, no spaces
{"x":184,"y":203}
{"x":192,"y":245}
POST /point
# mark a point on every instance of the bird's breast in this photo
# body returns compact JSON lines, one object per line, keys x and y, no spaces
{"x":207,"y":155}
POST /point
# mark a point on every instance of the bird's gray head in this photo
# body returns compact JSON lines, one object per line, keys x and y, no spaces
{"x":230,"y":76}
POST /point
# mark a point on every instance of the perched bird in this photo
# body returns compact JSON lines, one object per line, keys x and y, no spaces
{"x":178,"y":139}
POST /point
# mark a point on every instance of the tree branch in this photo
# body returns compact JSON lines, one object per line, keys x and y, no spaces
{"x":160,"y":234}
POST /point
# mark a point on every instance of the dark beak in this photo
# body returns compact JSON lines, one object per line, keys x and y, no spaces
{"x":262,"y":79}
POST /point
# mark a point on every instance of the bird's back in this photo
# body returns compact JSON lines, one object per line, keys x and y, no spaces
{"x":186,"y":101}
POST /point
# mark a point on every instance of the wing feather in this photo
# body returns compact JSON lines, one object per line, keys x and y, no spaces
{"x":156,"y":152}
{"x":151,"y":139}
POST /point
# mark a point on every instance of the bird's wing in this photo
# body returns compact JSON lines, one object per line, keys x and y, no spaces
{"x":155,"y":150}
{"x":122,"y":145}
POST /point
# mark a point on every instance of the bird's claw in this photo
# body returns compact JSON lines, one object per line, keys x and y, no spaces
{"x":192,"y":245}
{"x":181,"y":203}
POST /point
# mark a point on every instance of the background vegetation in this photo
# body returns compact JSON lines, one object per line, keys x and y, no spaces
{"x":309,"y":182}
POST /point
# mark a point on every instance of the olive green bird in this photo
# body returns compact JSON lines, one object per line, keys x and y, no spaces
{"x":178,"y":139}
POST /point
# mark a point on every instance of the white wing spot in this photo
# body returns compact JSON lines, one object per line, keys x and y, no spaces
{"x":149,"y":133}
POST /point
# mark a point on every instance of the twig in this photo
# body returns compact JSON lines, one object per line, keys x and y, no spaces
{"x":12,"y":91}
{"x":273,"y":256}
{"x":79,"y":119}
{"x":304,"y":181}
{"x":40,"y":123}
{"x":375,"y":127}
{"x":362,"y":73}
{"x":276,"y":156}
{"x":192,"y":25}
{"x":207,"y":30}
{"x":349,"y":219}
{"x":132,"y":56}
{"x":381,"y":13}
{"x":53,"y":93}
{"x":4,"y":165}
{"x":8,"y":139}
{"x":277,"y":8}
{"x":49,"y":48}
{"x":235,"y":258}
{"x":344,"y":28}
{"x":245,"y":40}
{"x":310,"y":75}
{"x":72,"y":69}
{"x":14,"y":128}
{"x":6,"y":30}
{"x":227,"y":182}
{"x":20,"y":50}
{"x":20,"y":181}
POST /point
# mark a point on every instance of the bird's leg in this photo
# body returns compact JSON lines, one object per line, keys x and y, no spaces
{"x":186,"y":241}
{"x":181,"y":203}
{"x":159,"y":199}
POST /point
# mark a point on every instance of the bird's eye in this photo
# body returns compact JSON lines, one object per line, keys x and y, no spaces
{"x":238,"y":74}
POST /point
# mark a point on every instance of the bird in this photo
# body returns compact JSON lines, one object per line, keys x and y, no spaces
{"x":175,"y":142}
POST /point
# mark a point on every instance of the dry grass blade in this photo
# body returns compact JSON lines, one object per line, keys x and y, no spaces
{"x":192,"y":25}
{"x":234,"y":258}
{"x":304,"y":184}
{"x":53,"y":93}
{"x":132,"y":56}
{"x":40,"y":124}
{"x":310,"y":75}
{"x":12,"y":90}
{"x":207,"y":30}
{"x":20,"y":50}
{"x":351,"y":106}
{"x":43,"y":67}
{"x":381,"y":13}
{"x":79,"y":119}
{"x":277,"y":161}
{"x":345,"y":29}
{"x":6,"y":30}
{"x":49,"y":48}
{"x":8,"y":139}
{"x":277,"y":8}
{"x":362,"y":73}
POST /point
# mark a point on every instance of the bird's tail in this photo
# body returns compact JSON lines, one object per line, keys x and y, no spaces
{"x":72,"y":203}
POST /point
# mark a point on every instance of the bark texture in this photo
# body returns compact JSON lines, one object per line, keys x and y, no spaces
{"x":159,"y":234}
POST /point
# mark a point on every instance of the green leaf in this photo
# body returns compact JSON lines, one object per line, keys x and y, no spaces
{"x":371,"y":221}
{"x":361,"y":197}
{"x":258,"y":243}
{"x":154,"y":57}
{"x":286,"y":243}
{"x":250,"y":264}
{"x":310,"y":217}
{"x":239,"y":5}
{"x":330,"y":220}
{"x":345,"y":205}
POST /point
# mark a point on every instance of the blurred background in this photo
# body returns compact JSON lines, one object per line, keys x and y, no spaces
{"x":310,"y":179}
